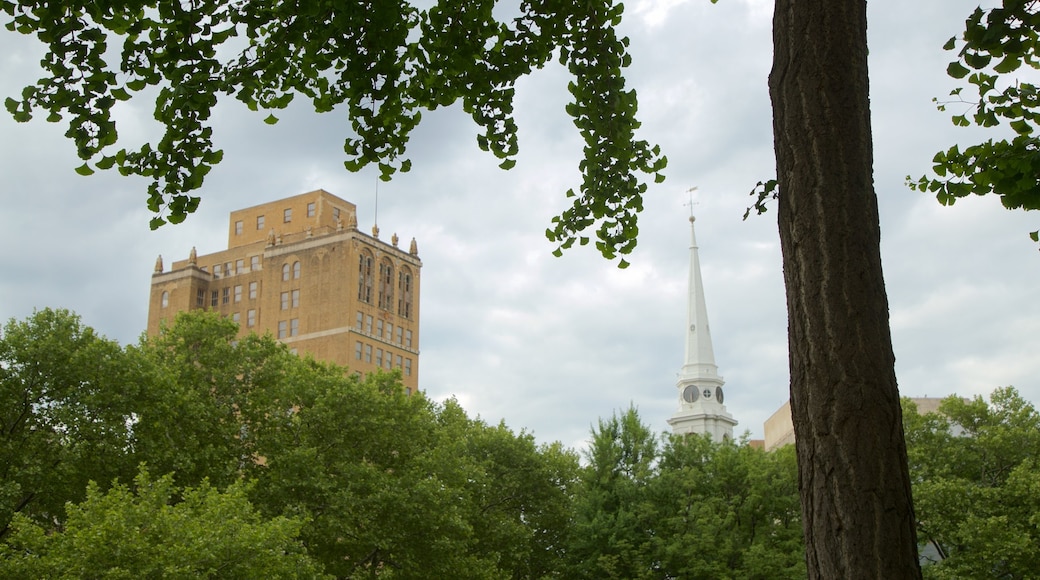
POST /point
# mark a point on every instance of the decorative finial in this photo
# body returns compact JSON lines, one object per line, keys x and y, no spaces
{"x":375,"y":231}
{"x":691,"y":204}
{"x":270,"y":237}
{"x":339,"y":225}
{"x":352,"y":221}
{"x":158,"y":265}
{"x":413,"y":248}
{"x":310,"y":234}
{"x":193,"y":258}
{"x":394,"y":239}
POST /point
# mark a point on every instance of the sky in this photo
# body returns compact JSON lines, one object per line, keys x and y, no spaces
{"x":550,"y":345}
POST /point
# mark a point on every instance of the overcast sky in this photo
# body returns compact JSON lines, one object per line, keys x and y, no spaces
{"x":552,"y":344}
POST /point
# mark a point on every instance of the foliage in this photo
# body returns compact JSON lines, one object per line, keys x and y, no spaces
{"x":383,"y":61}
{"x":367,"y":479}
{"x":691,"y":508}
{"x":612,"y":529}
{"x":65,"y":406}
{"x":997,"y":44}
{"x":976,"y":470}
{"x":728,"y":511}
{"x":148,"y":533}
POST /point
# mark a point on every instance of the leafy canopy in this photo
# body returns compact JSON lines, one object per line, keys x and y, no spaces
{"x":995,"y":54}
{"x":380,"y":61}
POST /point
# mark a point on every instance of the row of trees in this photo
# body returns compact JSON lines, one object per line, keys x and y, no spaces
{"x":198,"y":454}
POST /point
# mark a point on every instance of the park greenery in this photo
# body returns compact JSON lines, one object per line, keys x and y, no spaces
{"x":201,"y":454}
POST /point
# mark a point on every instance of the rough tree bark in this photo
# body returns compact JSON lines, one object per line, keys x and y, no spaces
{"x":856,"y":505}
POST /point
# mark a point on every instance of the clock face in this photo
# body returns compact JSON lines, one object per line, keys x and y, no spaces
{"x":707,"y":393}
{"x":690,"y":394}
{"x":718,"y":394}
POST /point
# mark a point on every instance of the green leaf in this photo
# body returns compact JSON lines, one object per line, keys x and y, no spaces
{"x":271,"y":119}
{"x":84,"y":170}
{"x":508,"y":164}
{"x":957,"y":70}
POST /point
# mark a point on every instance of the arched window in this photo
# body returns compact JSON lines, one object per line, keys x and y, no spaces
{"x":296,"y":270}
{"x":365,"y":277}
{"x":404,"y":293}
{"x":285,"y":272}
{"x":386,"y":285}
{"x":165,"y":299}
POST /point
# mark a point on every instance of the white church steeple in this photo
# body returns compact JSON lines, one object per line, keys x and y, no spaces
{"x":700,"y":385}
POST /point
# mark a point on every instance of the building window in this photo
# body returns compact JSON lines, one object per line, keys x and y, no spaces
{"x":357,"y":350}
{"x":398,"y":361}
{"x":296,"y":270}
{"x":236,"y":317}
{"x":227,"y":295}
{"x":399,"y":331}
{"x":368,"y":353}
{"x":295,"y":298}
{"x":335,"y":214}
{"x":285,"y":300}
{"x":214,"y":298}
{"x":386,"y":285}
{"x":360,"y":321}
{"x":227,"y":269}
{"x":407,"y":367}
{"x":254,"y":263}
{"x":200,"y":298}
{"x":238,"y":228}
{"x":379,"y":328}
{"x":365,"y":278}
{"x":238,"y":293}
{"x":404,"y":293}
{"x":389,"y":332}
{"x":389,"y":363}
{"x":217,"y":270}
{"x":165,"y":299}
{"x":287,"y":215}
{"x":294,"y":327}
{"x":240,"y":266}
{"x":310,"y":209}
{"x":259,"y":222}
{"x":282,"y":329}
{"x":251,"y":317}
{"x":252,"y":290}
{"x":379,"y":357}
{"x":368,"y":325}
{"x":408,"y":338}
{"x":408,"y":391}
{"x":285,"y":272}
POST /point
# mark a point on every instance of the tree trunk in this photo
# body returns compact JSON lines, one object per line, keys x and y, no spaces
{"x":857,"y":512}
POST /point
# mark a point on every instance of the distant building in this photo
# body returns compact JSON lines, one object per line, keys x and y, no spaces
{"x":699,"y":386}
{"x":779,"y":427}
{"x":300,"y":269}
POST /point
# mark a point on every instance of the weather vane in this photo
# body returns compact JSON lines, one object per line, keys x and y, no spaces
{"x":691,"y":202}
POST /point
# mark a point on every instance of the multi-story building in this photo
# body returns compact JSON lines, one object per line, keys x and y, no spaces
{"x":300,"y":269}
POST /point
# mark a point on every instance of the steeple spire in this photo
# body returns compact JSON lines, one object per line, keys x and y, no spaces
{"x":699,"y":385}
{"x":699,"y":363}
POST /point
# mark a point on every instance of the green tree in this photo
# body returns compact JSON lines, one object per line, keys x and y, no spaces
{"x":65,"y":408}
{"x":976,"y":470}
{"x":995,"y":53}
{"x":209,"y":390}
{"x":726,"y":510}
{"x":145,"y":532}
{"x":613,"y":530}
{"x":387,"y":60}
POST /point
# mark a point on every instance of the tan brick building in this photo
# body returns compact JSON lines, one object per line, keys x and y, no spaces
{"x":300,"y":269}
